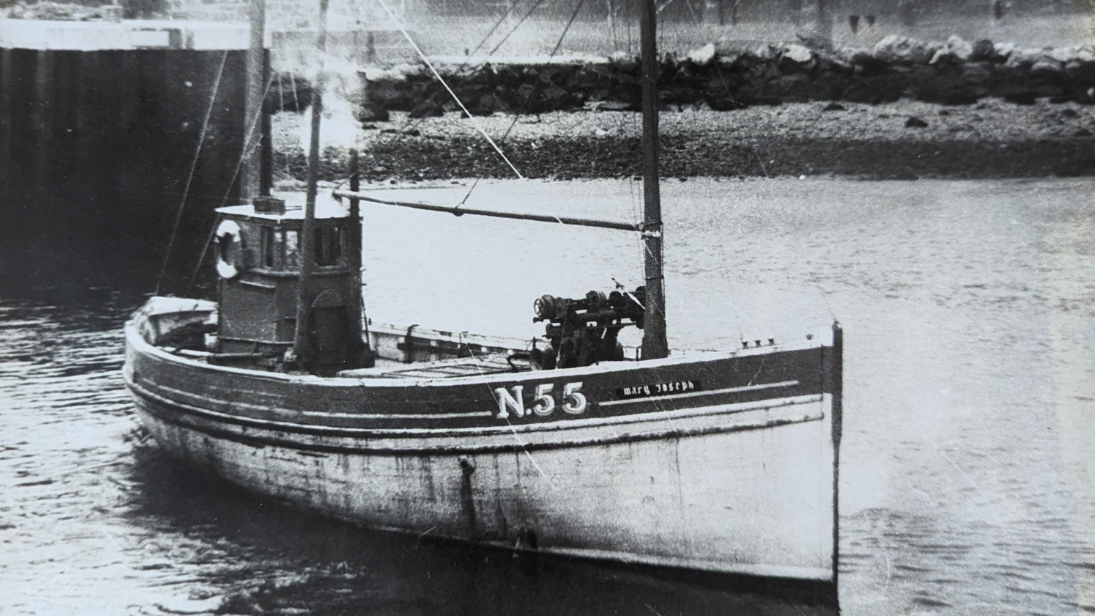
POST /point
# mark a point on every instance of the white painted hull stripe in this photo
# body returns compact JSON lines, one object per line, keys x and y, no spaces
{"x":440,"y":415}
{"x":456,"y":445}
{"x":490,"y":430}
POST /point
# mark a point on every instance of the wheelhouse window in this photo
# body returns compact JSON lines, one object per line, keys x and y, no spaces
{"x":328,"y":245}
{"x":281,"y":247}
{"x":269,"y":247}
{"x":276,"y":253}
{"x":292,"y":250}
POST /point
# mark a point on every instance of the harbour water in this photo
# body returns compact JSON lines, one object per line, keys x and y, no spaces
{"x":967,"y":478}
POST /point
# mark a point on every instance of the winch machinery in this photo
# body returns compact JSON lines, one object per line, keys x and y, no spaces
{"x":584,"y":331}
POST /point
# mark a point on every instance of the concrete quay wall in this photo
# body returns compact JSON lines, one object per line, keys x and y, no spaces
{"x":111,"y":132}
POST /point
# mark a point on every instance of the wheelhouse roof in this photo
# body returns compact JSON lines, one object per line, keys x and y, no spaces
{"x":324,"y":210}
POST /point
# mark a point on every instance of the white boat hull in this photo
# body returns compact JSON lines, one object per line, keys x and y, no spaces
{"x":736,"y":480}
{"x":764,"y":509}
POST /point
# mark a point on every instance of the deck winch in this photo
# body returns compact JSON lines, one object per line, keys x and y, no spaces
{"x":584,"y":331}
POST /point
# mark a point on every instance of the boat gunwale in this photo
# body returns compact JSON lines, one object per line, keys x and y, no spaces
{"x":134,"y":338}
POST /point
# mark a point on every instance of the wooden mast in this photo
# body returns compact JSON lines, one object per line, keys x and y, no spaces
{"x":302,"y":344}
{"x":655,"y":344}
{"x":254,"y":115}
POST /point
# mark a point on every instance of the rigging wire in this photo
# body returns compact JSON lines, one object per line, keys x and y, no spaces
{"x":293,"y":82}
{"x":718,"y":69}
{"x":463,"y":68}
{"x":729,"y":95}
{"x":516,"y":437}
{"x":513,"y":123}
{"x":566,"y":29}
{"x":235,"y":173}
{"x":825,"y":298}
{"x":436,"y":74}
{"x":612,"y":24}
{"x":193,"y":167}
{"x":487,"y":36}
{"x":459,"y":69}
{"x":529,"y":12}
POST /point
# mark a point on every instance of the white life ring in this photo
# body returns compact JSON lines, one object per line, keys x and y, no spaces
{"x":229,"y":250}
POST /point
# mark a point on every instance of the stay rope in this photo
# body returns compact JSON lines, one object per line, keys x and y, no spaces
{"x":193,"y":167}
{"x":498,"y":23}
{"x":462,"y":69}
{"x":418,"y":50}
{"x":513,"y":123}
{"x":505,"y":38}
{"x":248,"y":146}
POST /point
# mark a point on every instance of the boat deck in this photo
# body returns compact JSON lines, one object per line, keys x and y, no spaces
{"x":492,"y":363}
{"x":183,"y":327}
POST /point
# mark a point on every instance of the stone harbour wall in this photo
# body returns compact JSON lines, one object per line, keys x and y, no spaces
{"x":952,"y":73}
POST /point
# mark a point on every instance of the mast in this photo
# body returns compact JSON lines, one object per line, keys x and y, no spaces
{"x":655,"y":345}
{"x":254,"y":110}
{"x":302,"y":346}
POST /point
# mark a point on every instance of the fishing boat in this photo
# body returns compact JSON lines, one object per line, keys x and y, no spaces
{"x":719,"y":463}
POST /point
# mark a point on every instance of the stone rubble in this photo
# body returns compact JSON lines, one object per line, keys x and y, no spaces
{"x":956,"y":72}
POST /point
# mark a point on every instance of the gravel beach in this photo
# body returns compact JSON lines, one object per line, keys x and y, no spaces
{"x":904,"y":139}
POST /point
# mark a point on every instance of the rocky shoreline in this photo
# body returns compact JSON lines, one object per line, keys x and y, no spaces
{"x":956,"y":72}
{"x":899,"y":140}
{"x":901,"y":109}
